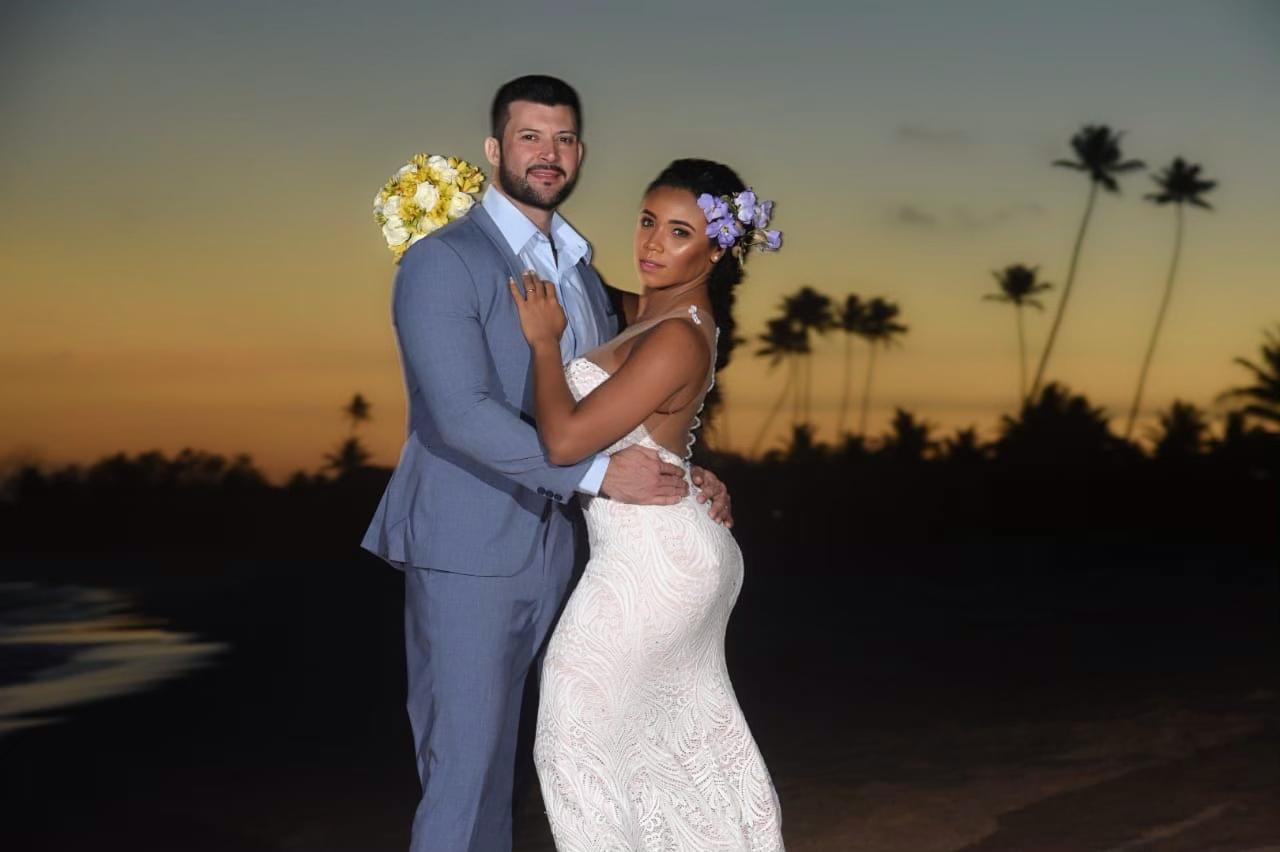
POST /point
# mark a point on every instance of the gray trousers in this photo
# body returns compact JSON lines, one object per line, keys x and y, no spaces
{"x":470,"y":644}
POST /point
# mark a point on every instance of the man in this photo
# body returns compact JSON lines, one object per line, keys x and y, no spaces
{"x":477,"y":518}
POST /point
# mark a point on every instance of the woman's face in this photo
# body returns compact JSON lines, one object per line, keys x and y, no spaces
{"x":671,"y":241}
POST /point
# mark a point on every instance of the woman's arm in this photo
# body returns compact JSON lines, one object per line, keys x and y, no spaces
{"x":665,"y":361}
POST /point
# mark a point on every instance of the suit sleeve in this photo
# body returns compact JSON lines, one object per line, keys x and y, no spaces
{"x":437,"y":317}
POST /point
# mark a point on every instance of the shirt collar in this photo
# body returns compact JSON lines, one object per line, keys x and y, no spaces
{"x":517,"y":230}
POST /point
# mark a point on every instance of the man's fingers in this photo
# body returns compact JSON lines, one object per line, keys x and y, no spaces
{"x":669,"y":469}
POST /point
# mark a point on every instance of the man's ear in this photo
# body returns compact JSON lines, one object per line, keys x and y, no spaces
{"x":493,"y":151}
{"x":582,"y":152}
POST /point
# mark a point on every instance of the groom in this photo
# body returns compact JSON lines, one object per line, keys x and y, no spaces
{"x":479,"y":521}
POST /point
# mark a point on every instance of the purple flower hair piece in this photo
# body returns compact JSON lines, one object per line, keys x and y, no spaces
{"x":763,"y":211}
{"x":738,"y":222}
{"x":726,"y":230}
{"x":713,"y":208}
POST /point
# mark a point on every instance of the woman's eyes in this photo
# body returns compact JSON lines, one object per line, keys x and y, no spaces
{"x":646,"y":222}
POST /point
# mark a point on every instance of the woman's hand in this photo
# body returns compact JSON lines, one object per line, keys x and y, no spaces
{"x":541,"y":318}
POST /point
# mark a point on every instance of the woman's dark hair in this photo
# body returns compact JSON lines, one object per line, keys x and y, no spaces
{"x":538,"y":89}
{"x":699,"y":176}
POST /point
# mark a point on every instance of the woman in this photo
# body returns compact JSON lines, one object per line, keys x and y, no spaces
{"x":641,"y":744}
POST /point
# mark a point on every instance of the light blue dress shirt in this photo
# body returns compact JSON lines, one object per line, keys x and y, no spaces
{"x":534,"y":250}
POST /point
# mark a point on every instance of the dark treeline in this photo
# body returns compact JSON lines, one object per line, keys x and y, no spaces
{"x":1055,"y":471}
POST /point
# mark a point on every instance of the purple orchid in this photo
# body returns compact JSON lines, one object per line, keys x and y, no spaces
{"x":746,"y":204}
{"x":726,"y":230}
{"x":763,"y":211}
{"x":713,"y":208}
{"x":773,"y":239}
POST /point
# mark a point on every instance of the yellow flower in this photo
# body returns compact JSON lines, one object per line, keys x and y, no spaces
{"x":407,"y":184}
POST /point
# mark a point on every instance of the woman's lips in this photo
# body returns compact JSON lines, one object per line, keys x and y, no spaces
{"x":649,"y":265}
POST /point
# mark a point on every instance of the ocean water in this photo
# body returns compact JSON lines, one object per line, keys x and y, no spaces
{"x":63,"y":646}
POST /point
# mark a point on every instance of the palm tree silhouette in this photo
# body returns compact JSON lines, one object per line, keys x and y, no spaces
{"x":1097,"y":151}
{"x":852,"y":315}
{"x":1018,"y":287}
{"x":1179,"y":184}
{"x":1056,"y":427}
{"x":879,"y":328}
{"x":965,"y":447}
{"x":1264,"y":393}
{"x":908,"y":439}
{"x":810,"y":311}
{"x":1182,"y":432}
{"x":782,"y":341}
{"x":357,"y":411}
{"x":349,"y":459}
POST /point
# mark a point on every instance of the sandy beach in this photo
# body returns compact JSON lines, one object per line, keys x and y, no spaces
{"x":904,"y":712}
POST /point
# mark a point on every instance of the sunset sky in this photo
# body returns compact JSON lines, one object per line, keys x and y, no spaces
{"x":187,"y":256}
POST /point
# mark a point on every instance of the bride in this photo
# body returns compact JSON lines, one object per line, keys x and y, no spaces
{"x":641,"y":744}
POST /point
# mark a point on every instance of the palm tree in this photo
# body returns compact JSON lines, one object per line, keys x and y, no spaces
{"x":1056,"y":427}
{"x":357,"y":411}
{"x":908,"y":439}
{"x":879,"y":328}
{"x":782,"y":341}
{"x":1182,"y":432}
{"x":1179,"y":184}
{"x":965,"y":447}
{"x":1018,"y":287}
{"x":1097,"y":151}
{"x":850,"y":321}
{"x":349,"y":459}
{"x":1264,"y":393}
{"x":810,"y":311}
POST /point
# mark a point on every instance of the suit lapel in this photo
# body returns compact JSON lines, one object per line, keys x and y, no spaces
{"x":486,"y":224}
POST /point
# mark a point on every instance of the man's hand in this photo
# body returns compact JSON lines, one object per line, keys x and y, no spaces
{"x":639,"y":476}
{"x":712,"y":490}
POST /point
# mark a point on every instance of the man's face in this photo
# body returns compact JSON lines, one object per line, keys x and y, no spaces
{"x":537,"y":159}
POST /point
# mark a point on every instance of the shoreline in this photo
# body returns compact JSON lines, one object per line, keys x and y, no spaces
{"x":914,"y":708}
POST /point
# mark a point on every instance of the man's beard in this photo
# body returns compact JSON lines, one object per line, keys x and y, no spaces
{"x":519,"y":188}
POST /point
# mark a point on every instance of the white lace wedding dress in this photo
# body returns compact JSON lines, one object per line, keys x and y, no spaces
{"x":641,"y":744}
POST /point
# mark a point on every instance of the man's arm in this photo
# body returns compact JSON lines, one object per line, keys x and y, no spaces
{"x":437,"y":319}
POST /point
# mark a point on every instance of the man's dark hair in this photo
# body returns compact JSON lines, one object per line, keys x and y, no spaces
{"x":538,"y":89}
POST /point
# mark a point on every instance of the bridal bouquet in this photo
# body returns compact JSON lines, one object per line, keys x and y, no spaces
{"x":427,"y":192}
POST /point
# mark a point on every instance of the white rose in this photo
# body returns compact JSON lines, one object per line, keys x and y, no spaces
{"x":391,"y":208}
{"x":394,"y":231}
{"x":441,"y":167}
{"x":406,"y":168}
{"x":426,"y":196}
{"x":415,"y":238}
{"x":377,"y":201}
{"x":459,"y":204}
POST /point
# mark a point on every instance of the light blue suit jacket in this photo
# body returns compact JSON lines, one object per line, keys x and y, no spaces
{"x":473,"y":492}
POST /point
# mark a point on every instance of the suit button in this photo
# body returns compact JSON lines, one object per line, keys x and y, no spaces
{"x":542,"y":490}
{"x":559,"y":498}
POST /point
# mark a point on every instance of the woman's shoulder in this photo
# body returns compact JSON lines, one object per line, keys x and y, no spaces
{"x":675,"y":339}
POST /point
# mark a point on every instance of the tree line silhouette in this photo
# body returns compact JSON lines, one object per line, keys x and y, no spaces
{"x":1054,"y":468}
